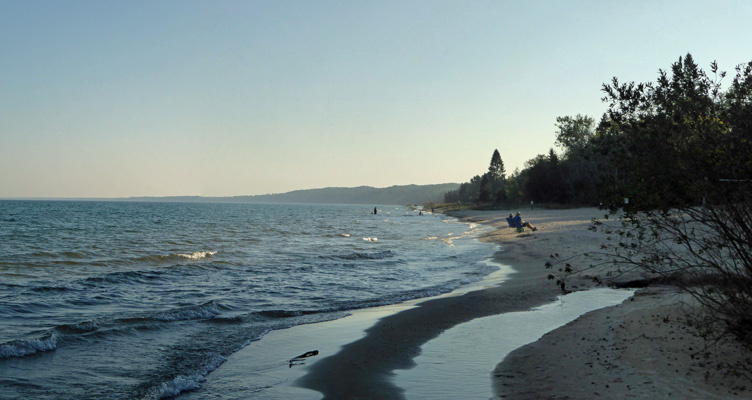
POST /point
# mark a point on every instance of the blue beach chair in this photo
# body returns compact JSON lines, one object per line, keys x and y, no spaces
{"x":517,"y":223}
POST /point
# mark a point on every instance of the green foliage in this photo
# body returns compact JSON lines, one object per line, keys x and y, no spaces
{"x":574,"y":134}
{"x":679,"y":150}
{"x":488,"y":188}
{"x":467,"y":192}
{"x":513,"y":189}
{"x":496,"y":170}
{"x":672,"y":143}
{"x":545,"y":179}
{"x":580,"y":162}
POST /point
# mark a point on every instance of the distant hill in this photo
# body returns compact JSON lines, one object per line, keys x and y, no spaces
{"x":396,"y":195}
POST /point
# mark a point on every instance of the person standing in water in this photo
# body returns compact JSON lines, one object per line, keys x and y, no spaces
{"x":375,"y":211}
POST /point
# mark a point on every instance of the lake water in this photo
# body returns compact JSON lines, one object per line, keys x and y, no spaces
{"x":138,"y":300}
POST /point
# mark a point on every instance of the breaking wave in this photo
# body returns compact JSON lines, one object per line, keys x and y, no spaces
{"x":197,"y":255}
{"x":184,"y":383}
{"x":23,"y":348}
{"x":160,"y":258}
{"x":203,"y":311}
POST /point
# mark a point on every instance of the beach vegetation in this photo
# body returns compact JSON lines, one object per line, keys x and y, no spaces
{"x":581,"y":162}
{"x":489,"y":188}
{"x":569,"y":177}
{"x":676,"y":178}
{"x":669,"y":163}
{"x":689,"y":215}
{"x":496,"y":169}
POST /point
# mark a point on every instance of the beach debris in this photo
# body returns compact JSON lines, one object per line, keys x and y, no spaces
{"x":300,"y":360}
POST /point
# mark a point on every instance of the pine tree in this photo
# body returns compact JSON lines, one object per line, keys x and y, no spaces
{"x":496,"y":169}
{"x":497,"y":176}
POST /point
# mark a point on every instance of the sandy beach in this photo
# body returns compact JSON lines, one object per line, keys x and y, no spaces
{"x":638,"y":349}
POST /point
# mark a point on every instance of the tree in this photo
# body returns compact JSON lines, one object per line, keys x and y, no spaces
{"x":467,"y":192}
{"x":680,"y":150}
{"x":489,"y":187}
{"x":574,"y":134}
{"x":496,"y":169}
{"x":580,"y":162}
{"x":484,"y":194}
{"x":658,"y":135}
{"x":537,"y":184}
{"x":496,"y":178}
{"x":514,"y":188}
{"x":544,"y":181}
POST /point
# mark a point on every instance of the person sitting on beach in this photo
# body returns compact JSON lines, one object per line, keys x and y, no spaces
{"x":518,"y":218}
{"x":510,"y":221}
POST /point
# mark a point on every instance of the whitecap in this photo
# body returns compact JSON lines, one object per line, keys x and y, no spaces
{"x":448,"y":241}
{"x":182,"y":383}
{"x":22,"y":348}
{"x":197,"y":255}
{"x":204,"y":311}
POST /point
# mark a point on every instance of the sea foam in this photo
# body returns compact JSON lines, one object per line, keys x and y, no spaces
{"x":197,"y":255}
{"x":22,"y":348}
{"x":203,"y":311}
{"x":183,"y":383}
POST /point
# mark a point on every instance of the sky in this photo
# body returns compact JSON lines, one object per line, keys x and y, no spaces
{"x":227,"y":98}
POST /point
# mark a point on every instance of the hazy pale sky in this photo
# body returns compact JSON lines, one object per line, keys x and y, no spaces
{"x":223,"y":98}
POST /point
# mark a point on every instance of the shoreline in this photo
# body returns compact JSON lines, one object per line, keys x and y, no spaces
{"x":637,"y":349}
{"x":364,"y":369}
{"x":458,"y":363}
{"x":641,"y":348}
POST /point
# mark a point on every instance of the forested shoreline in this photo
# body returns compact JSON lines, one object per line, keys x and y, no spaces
{"x":670,"y":162}
{"x":659,"y":144}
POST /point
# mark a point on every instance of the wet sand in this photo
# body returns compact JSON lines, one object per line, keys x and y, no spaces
{"x":638,"y":349}
{"x":363,"y":369}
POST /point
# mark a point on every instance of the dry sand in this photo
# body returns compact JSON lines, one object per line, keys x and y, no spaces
{"x":641,"y":349}
{"x":638,"y":349}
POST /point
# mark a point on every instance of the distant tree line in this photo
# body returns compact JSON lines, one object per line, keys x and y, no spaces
{"x":569,"y":177}
{"x":659,"y":145}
